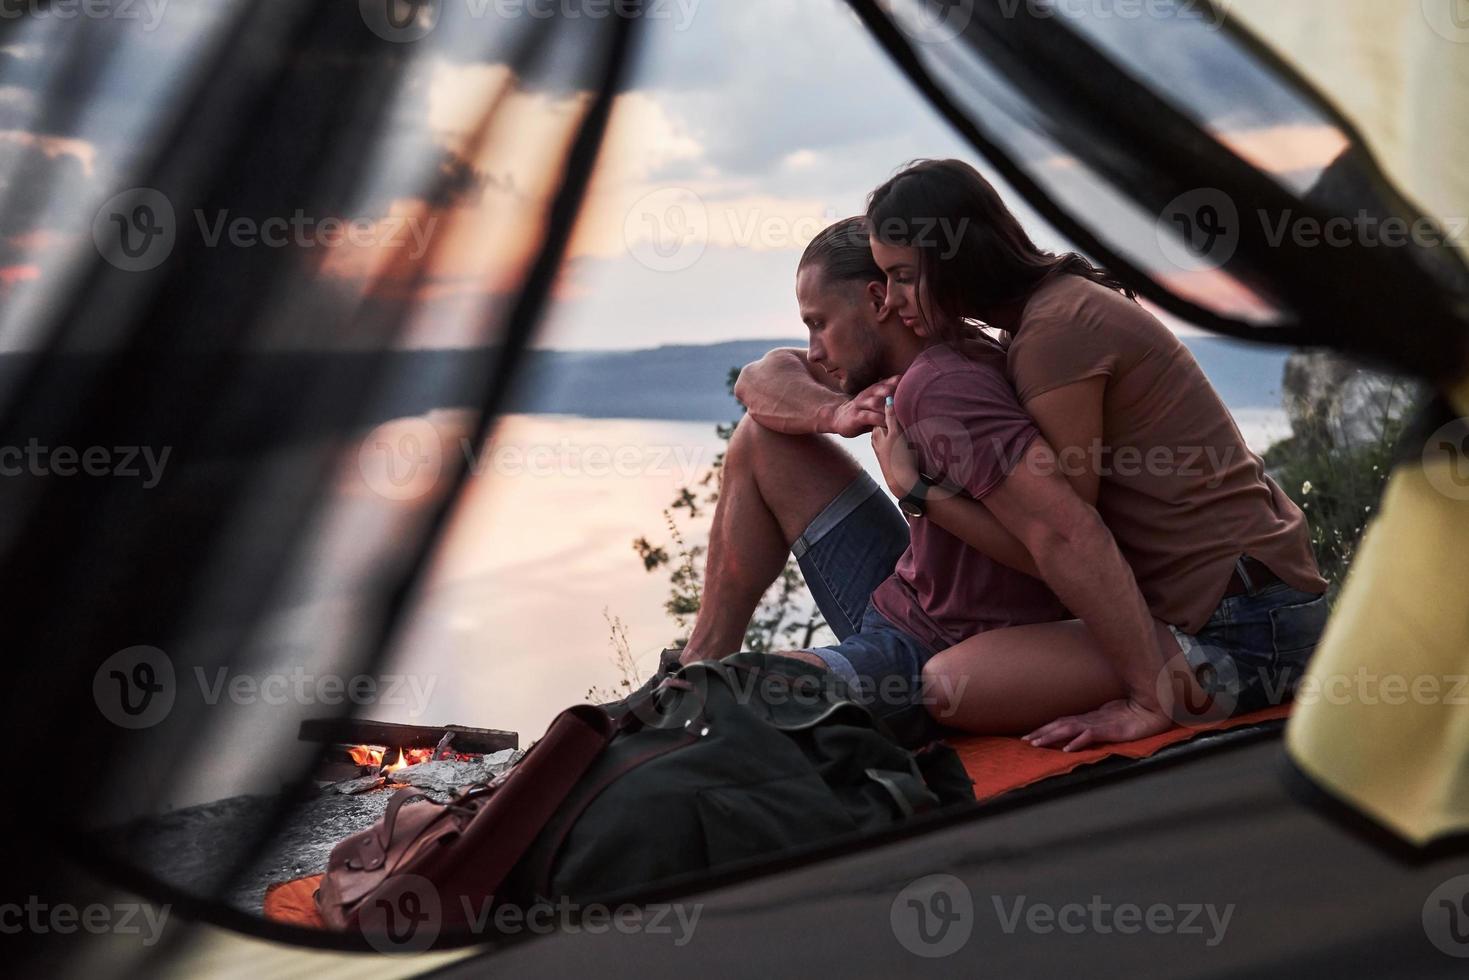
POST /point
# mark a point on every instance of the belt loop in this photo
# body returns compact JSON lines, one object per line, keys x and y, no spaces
{"x":799,"y":548}
{"x":1244,"y":575}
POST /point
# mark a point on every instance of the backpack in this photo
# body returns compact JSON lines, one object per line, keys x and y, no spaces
{"x":724,"y":762}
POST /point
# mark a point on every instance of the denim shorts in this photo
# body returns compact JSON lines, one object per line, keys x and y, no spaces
{"x":1253,"y":651}
{"x":848,"y":551}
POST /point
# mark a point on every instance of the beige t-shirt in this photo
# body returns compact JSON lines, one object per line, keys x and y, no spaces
{"x":1181,"y":491}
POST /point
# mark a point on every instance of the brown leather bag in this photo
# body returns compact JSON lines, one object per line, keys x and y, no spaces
{"x":461,"y":851}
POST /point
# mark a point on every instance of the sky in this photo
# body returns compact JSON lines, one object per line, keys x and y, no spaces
{"x":746,"y":128}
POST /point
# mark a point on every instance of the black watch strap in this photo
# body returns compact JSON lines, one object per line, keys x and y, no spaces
{"x":915,"y":502}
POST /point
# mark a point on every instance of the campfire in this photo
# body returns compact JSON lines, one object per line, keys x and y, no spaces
{"x":361,"y":756}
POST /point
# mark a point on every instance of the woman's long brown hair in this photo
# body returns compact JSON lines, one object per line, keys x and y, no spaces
{"x":974,"y":255}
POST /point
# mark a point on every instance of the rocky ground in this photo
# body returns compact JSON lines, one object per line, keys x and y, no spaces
{"x":194,"y":848}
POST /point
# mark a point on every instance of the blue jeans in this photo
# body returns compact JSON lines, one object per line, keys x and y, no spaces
{"x":1253,"y":651}
{"x":848,"y":551}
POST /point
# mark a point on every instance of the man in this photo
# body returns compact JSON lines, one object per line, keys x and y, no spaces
{"x":896,"y":598}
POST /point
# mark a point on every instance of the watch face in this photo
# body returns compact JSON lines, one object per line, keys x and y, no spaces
{"x":911,"y":507}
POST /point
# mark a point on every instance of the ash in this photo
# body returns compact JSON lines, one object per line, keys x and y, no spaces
{"x":194,"y":848}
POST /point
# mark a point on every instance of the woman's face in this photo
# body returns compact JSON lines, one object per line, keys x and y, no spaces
{"x":907,"y":293}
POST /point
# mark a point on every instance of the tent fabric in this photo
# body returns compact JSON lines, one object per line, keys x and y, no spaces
{"x":999,"y":765}
{"x":261,"y":547}
{"x":1308,"y":897}
{"x":1385,"y":727}
{"x":1399,"y":71}
{"x":1188,"y":158}
{"x":1134,"y":138}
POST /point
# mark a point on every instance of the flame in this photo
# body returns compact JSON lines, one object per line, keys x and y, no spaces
{"x":373,"y":755}
{"x":367,"y":755}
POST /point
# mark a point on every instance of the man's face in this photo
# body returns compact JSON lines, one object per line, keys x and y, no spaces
{"x":841,"y":319}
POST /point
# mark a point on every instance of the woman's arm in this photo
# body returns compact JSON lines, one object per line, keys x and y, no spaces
{"x":965,"y":518}
{"x":971,"y":522}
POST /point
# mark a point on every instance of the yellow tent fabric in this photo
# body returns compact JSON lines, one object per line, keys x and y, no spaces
{"x":1399,"y":70}
{"x":1382,"y":717}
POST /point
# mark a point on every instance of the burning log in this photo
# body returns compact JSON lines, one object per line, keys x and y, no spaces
{"x":355,"y":731}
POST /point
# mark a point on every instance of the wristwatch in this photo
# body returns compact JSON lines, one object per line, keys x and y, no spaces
{"x":915,"y":502}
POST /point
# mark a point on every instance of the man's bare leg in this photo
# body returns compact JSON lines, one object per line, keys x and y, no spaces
{"x":773,"y":486}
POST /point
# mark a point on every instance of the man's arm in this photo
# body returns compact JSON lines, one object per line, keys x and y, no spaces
{"x":784,"y":392}
{"x":1078,"y":558}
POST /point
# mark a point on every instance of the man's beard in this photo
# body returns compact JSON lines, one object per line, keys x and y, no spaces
{"x":860,"y":377}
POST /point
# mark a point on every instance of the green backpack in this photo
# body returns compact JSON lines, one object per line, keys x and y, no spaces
{"x":741,"y":758}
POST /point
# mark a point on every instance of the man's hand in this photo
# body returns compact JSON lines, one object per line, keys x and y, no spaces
{"x":894,"y":455}
{"x":863,"y":412}
{"x":1116,"y":721}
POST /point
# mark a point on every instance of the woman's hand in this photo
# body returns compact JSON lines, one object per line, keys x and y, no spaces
{"x":1122,"y":720}
{"x":894,"y":455}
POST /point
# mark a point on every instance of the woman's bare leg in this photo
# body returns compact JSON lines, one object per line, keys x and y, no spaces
{"x":1012,"y":681}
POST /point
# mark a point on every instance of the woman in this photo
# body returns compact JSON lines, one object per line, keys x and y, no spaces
{"x":1221,"y":555}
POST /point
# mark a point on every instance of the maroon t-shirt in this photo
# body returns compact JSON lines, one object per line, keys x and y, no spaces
{"x":967,"y":428}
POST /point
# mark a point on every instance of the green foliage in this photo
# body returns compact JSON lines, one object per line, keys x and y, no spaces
{"x":1336,"y":483}
{"x":787,"y":617}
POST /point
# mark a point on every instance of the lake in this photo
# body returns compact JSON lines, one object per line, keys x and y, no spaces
{"x":511,"y":628}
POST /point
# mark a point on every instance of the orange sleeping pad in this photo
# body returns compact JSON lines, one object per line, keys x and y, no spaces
{"x":998,"y":764}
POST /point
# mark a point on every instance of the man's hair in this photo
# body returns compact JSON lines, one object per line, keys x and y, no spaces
{"x":843,"y":253}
